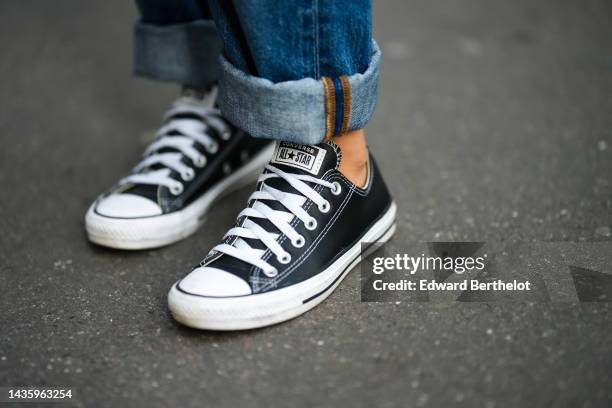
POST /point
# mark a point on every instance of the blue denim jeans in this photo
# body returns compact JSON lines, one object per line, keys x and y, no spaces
{"x":294,"y":70}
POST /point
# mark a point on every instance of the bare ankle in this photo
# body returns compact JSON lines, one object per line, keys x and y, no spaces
{"x":354,"y":163}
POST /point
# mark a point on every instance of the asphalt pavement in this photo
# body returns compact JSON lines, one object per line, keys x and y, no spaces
{"x":493,"y":124}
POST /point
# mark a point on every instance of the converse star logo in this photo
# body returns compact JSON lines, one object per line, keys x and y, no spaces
{"x":303,"y":157}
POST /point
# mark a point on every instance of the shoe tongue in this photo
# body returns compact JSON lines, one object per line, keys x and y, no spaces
{"x":206,"y":98}
{"x":313,"y":160}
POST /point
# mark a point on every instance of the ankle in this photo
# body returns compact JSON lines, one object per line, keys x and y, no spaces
{"x":354,"y":163}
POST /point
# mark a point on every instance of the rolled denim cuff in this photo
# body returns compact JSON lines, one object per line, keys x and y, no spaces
{"x":184,"y":53}
{"x":304,"y":111}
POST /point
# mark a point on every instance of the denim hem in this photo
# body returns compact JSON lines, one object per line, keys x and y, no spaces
{"x":183,"y":53}
{"x":293,"y":111}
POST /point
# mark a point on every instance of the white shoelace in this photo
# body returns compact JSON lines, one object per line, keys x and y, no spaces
{"x":280,"y":219}
{"x":191,"y":131}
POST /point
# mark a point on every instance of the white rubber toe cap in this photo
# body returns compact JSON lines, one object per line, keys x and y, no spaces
{"x":127,"y":206}
{"x":207,"y":281}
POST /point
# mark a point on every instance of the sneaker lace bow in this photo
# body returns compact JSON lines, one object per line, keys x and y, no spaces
{"x":281,"y":219}
{"x":175,"y":140}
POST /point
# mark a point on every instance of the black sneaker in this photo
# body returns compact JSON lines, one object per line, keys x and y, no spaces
{"x":195,"y":158}
{"x":299,"y":236}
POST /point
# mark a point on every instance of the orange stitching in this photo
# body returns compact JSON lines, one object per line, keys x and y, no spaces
{"x":330,"y":106}
{"x":346,"y":99}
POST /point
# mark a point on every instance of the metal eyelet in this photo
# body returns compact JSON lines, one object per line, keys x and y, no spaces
{"x":298,"y":242}
{"x":271,"y":274}
{"x":212,"y":147}
{"x":324,"y":208}
{"x":200,"y":161}
{"x":311,"y":224}
{"x":226,"y":135}
{"x":188,"y":174}
{"x":336,"y":189}
{"x":285,"y":258}
{"x":176,"y":189}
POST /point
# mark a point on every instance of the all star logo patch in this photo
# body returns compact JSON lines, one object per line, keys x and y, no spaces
{"x":303,"y":157}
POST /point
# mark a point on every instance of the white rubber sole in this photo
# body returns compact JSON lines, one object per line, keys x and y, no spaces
{"x":264,"y":309}
{"x":153,"y":232}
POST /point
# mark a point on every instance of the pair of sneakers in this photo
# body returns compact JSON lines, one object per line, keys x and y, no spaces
{"x":298,"y":237}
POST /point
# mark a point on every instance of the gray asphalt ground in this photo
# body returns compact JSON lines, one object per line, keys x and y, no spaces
{"x":494,"y":123}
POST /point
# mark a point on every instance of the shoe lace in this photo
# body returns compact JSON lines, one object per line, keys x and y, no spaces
{"x":281,"y":219}
{"x":176,"y":140}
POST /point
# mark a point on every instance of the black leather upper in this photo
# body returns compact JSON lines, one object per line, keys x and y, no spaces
{"x":231,"y":154}
{"x":352,"y":213}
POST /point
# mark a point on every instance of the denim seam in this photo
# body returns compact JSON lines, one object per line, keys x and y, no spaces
{"x":339,"y":99}
{"x":346,"y":97}
{"x":330,"y":106}
{"x":317,"y":67}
